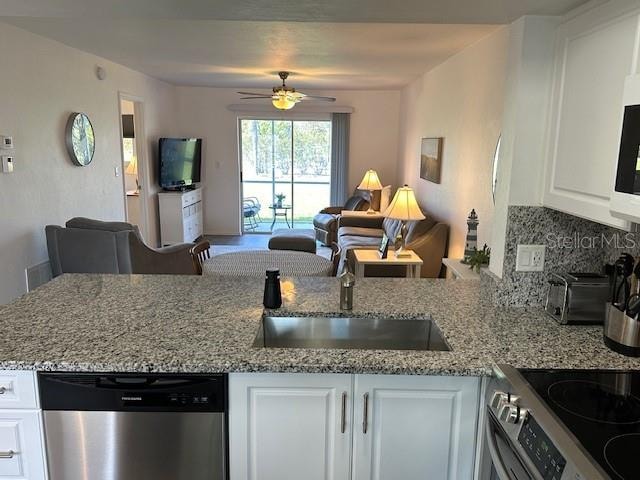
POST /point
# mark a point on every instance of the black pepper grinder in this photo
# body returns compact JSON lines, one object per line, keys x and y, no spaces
{"x":272,"y":295}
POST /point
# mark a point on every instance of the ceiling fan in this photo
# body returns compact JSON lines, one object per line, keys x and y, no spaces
{"x":284,"y":97}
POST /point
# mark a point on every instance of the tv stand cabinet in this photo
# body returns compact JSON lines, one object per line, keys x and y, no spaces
{"x":180,"y":216}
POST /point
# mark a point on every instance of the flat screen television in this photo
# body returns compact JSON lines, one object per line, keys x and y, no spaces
{"x":180,"y":162}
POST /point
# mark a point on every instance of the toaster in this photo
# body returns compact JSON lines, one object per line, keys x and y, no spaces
{"x":578,"y":298}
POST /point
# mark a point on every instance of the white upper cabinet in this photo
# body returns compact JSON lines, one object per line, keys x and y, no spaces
{"x":289,"y":426}
{"x":414,"y":427}
{"x":596,"y":51}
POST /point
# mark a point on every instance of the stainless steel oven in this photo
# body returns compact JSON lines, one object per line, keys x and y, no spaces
{"x":525,"y":440}
{"x":505,"y":462}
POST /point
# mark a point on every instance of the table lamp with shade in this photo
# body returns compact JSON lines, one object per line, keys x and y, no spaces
{"x":405,"y":208}
{"x":370,"y":182}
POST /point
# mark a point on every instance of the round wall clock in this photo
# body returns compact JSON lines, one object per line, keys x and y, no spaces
{"x":80,"y":139}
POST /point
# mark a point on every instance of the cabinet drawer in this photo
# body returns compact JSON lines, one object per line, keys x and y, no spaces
{"x":18,"y":389}
{"x":189,"y":198}
{"x":21,"y":446}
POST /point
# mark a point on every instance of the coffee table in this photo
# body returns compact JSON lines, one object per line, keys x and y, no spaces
{"x":365,"y":257}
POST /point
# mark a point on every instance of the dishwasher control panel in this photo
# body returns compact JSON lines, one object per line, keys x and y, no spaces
{"x":131,"y":392}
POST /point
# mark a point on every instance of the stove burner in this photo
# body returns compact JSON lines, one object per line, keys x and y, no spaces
{"x":618,"y":452}
{"x":595,"y":401}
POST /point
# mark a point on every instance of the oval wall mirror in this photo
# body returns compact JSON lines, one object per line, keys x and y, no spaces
{"x":494,"y":175}
{"x":80,"y":140}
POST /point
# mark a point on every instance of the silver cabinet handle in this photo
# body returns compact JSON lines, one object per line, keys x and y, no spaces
{"x":343,"y":418}
{"x":365,"y":413}
{"x":7,"y":454}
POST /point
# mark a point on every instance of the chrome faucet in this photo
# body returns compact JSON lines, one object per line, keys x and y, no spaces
{"x":347,"y":283}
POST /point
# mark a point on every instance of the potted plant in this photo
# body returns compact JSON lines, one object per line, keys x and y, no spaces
{"x":279,"y":199}
{"x":479,"y":259}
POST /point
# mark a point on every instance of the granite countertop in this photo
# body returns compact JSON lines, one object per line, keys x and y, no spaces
{"x":144,"y":323}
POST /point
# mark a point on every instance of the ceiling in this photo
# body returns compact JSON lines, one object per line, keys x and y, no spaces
{"x":350,"y":11}
{"x":327,"y":44}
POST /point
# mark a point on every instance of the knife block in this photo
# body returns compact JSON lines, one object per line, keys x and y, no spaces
{"x":621,"y":332}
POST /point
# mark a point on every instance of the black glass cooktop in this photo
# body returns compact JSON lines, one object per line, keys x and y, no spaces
{"x":602,"y":409}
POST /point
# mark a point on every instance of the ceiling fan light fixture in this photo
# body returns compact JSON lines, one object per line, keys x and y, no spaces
{"x":284,"y":97}
{"x":283,"y":102}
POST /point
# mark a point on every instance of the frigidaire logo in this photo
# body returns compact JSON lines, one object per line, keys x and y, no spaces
{"x":131,"y":399}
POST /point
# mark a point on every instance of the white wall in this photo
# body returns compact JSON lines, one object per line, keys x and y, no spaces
{"x":521,"y":165}
{"x":462,"y":101}
{"x":46,"y":82}
{"x":202,"y":112}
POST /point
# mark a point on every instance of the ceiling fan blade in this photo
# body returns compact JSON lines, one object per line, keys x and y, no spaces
{"x":316,"y":97}
{"x":256,"y":98}
{"x":253,"y":93}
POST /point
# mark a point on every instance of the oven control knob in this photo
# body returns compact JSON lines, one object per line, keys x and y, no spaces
{"x":498,"y":399}
{"x":512,"y":414}
{"x":514,"y":399}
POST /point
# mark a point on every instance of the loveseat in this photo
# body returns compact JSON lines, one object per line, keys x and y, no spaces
{"x":428,"y":238}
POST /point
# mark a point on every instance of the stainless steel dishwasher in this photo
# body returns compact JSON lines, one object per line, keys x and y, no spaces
{"x":135,"y":427}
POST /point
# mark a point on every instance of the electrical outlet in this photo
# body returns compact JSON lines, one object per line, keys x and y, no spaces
{"x":530,"y":258}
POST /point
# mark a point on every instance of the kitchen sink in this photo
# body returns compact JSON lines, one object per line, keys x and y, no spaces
{"x":366,"y":333}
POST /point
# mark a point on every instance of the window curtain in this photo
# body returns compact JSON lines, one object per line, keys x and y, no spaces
{"x":339,"y":157}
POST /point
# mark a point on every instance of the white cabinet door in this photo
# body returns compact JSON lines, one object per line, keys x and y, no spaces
{"x":21,"y":447}
{"x":414,"y":427}
{"x":289,"y":426}
{"x":595,"y":53}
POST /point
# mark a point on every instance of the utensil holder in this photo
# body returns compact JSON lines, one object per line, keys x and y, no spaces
{"x":621,"y":332}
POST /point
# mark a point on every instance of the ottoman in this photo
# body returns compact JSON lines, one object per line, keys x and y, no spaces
{"x":297,"y":240}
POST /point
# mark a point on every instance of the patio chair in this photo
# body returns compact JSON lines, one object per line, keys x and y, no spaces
{"x":249,"y":213}
{"x":256,"y":205}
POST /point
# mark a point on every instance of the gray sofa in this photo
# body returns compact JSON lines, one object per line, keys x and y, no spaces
{"x":92,"y":246}
{"x":428,"y":238}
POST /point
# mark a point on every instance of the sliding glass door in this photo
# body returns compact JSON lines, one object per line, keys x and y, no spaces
{"x":285,"y":168}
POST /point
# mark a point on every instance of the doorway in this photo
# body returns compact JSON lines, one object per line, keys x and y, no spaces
{"x":285,"y":172}
{"x":133,"y":161}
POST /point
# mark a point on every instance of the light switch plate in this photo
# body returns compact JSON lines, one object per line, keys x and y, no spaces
{"x":7,"y":164}
{"x":530,"y":258}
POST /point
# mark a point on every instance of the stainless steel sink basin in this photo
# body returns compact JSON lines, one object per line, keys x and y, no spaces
{"x":350,"y":332}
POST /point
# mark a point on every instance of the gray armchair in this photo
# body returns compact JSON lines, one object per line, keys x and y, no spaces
{"x":325,"y":223}
{"x":93,"y":246}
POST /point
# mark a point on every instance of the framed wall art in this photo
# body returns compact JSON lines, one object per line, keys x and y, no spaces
{"x":431,"y":159}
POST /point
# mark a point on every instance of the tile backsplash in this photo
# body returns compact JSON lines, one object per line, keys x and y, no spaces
{"x":572,"y":245}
